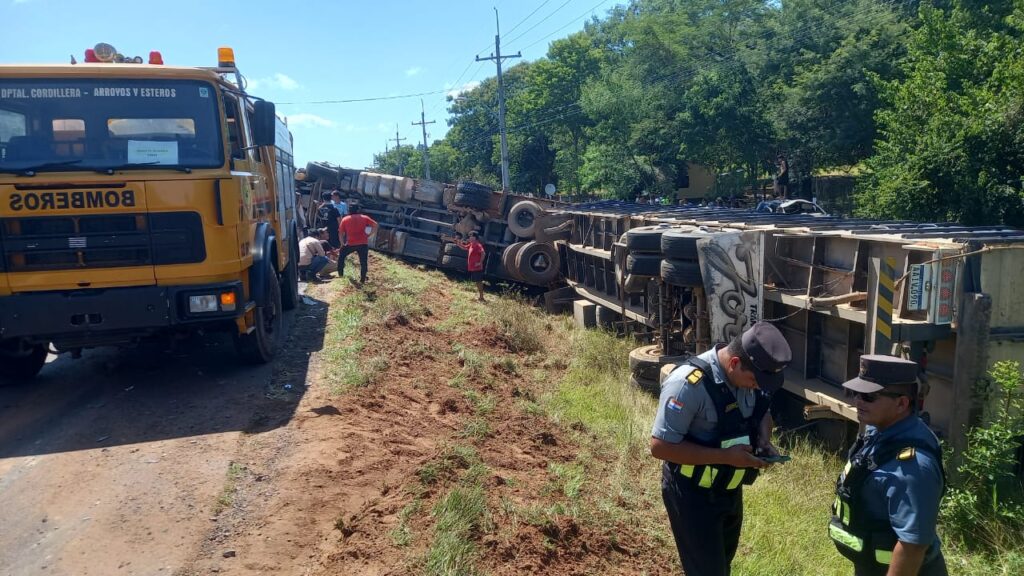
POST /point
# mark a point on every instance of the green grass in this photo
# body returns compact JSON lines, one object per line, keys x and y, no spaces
{"x":459,"y":516}
{"x":226,"y":498}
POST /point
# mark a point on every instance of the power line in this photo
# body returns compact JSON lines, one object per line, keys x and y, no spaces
{"x":543,"y":20}
{"x":542,"y":4}
{"x":352,"y":100}
{"x":570,"y":23}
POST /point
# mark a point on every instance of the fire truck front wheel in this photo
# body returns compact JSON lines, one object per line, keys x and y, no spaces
{"x":21,"y":364}
{"x":259,"y":345}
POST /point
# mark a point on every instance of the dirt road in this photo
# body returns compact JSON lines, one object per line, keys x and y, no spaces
{"x":114,"y":463}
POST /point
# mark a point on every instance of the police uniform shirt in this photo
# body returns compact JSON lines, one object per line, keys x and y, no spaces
{"x":688,"y":409}
{"x":906,"y":490}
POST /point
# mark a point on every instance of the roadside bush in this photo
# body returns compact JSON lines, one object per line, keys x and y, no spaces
{"x":985,"y":510}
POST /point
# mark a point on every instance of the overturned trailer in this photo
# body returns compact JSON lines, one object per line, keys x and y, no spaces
{"x":416,"y":217}
{"x":942,"y":295}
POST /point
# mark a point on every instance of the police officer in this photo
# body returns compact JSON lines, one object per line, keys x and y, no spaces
{"x":711,"y":426}
{"x":887,"y":497}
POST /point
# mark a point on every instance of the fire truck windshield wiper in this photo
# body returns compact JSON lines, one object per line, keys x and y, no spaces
{"x":33,"y":170}
{"x":130,"y":165}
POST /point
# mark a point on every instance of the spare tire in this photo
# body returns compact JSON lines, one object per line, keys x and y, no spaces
{"x":473,"y":188}
{"x":645,"y":384}
{"x":537,"y":263}
{"x":457,"y":262}
{"x":642,"y":264}
{"x":524,"y":218}
{"x":680,"y":245}
{"x":651,"y":355}
{"x":645,"y":239}
{"x":681,"y":273}
{"x":428,"y":191}
{"x":508,"y":260}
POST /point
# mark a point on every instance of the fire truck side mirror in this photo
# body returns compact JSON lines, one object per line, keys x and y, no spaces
{"x":263,"y":123}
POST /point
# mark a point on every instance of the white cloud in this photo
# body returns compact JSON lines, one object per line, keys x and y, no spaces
{"x":464,"y":88}
{"x":278,"y":80}
{"x":305,"y":119}
{"x":413,"y":71}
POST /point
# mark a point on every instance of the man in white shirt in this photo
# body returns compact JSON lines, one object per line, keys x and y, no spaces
{"x":313,"y":260}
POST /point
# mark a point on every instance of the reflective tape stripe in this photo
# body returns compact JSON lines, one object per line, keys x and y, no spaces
{"x":883,"y":556}
{"x":708,"y":477}
{"x":737,"y":477}
{"x":846,"y":512}
{"x":686,"y":470}
{"x":844,"y":538}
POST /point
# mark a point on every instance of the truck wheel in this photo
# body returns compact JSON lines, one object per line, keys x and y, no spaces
{"x":645,"y":239}
{"x":22,"y":367}
{"x":681,"y":273}
{"x":258,"y":346}
{"x":537,"y":263}
{"x":290,"y":278}
{"x":472,"y":195}
{"x":508,"y":260}
{"x":680,"y":245}
{"x":641,"y":264}
{"x":645,"y":384}
{"x":651,"y":355}
{"x":524,"y":218}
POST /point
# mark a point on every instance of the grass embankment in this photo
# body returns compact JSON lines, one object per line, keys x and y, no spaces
{"x":551,"y":391}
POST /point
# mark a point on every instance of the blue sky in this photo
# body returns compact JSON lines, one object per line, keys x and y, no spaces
{"x":304,"y":52}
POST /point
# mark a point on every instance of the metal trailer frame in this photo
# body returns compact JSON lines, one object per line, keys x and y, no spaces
{"x":826,"y":282}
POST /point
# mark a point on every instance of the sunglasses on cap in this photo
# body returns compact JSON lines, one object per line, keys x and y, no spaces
{"x":870,"y":397}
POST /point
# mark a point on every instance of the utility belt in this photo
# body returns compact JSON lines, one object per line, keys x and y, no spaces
{"x":718,"y":477}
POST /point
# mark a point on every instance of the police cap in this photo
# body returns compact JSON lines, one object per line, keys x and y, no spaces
{"x":768,"y":351}
{"x":878,"y":372}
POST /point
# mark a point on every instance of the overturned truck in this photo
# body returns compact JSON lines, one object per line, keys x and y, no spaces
{"x":416,"y":216}
{"x":942,"y":295}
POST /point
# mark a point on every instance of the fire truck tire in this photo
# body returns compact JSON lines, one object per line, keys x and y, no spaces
{"x":651,"y":355}
{"x":681,"y":273}
{"x":455,"y":250}
{"x":645,"y":384}
{"x":537,"y":263}
{"x":524,"y":218}
{"x":508,"y":260}
{"x":643,"y":264}
{"x":680,"y":245}
{"x":645,"y":239}
{"x":22,"y":367}
{"x":456,"y":262}
{"x":290,"y":278}
{"x":258,"y":346}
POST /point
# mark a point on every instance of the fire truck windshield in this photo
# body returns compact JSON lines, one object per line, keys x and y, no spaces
{"x":104,"y":124}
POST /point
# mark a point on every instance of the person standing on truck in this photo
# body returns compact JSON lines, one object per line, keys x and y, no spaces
{"x":355,"y":231}
{"x":887,"y":498}
{"x":329,"y":216}
{"x":712,"y":432}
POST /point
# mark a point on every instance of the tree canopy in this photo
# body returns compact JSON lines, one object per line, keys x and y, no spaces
{"x":923,"y":99}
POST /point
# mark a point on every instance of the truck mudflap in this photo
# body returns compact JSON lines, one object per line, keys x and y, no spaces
{"x":96,"y":313}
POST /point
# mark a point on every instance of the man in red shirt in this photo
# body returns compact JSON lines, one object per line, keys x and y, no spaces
{"x":474,"y":261}
{"x":355,"y":231}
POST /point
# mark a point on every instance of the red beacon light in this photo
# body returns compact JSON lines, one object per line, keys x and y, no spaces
{"x":156,"y":58}
{"x":90,"y":55}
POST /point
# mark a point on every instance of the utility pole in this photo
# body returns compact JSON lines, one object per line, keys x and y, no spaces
{"x":398,"y":150}
{"x":497,"y":57}
{"x":426,"y":156}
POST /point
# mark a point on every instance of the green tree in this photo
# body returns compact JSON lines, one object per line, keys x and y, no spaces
{"x":952,"y":132}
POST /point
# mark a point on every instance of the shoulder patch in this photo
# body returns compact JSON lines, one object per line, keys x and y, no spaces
{"x":695,"y":376}
{"x":906,"y":454}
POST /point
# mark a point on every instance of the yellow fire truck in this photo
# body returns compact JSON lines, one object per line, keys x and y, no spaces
{"x":138,"y":200}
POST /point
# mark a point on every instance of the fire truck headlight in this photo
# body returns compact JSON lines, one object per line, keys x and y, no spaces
{"x":203,"y":303}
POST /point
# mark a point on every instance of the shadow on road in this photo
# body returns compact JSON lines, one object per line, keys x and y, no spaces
{"x":113,"y":397}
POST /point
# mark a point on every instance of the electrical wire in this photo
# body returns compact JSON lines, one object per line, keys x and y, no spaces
{"x":542,"y":4}
{"x":543,"y":20}
{"x":570,"y":23}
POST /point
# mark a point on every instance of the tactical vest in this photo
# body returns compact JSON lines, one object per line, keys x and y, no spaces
{"x":857,"y":537}
{"x":732,"y":429}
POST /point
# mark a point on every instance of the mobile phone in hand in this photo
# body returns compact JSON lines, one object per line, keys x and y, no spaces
{"x":775,"y":459}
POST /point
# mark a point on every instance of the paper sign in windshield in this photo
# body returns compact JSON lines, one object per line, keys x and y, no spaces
{"x":150,"y":152}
